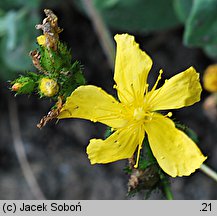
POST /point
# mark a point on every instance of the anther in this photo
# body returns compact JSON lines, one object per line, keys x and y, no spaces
{"x":169,"y":114}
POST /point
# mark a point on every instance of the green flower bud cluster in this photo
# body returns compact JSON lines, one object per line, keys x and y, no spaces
{"x":57,"y":75}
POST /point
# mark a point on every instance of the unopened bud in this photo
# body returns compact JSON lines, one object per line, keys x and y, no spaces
{"x":16,"y":87}
{"x":210,"y":78}
{"x":23,"y":85}
{"x":48,"y":87}
{"x":41,"y":40}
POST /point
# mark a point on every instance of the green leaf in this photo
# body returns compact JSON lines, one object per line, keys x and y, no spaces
{"x":201,"y":25}
{"x":211,"y":51}
{"x":17,"y":39}
{"x":8,"y":28}
{"x":183,"y":9}
{"x":16,"y":4}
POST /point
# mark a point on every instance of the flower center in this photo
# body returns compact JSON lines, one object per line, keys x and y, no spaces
{"x":139,"y":114}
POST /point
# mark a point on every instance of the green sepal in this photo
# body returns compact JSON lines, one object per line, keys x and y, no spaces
{"x":108,"y":132}
{"x":79,"y":78}
{"x":54,"y":62}
{"x":147,"y":159}
{"x":28,"y":83}
{"x":76,"y":69}
{"x":147,"y":171}
{"x":67,"y":87}
{"x":149,"y":174}
{"x":70,"y":81}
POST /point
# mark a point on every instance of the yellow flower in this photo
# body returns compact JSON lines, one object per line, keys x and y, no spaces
{"x":135,"y":115}
{"x":48,"y":87}
{"x":210,"y":78}
{"x":41,"y":40}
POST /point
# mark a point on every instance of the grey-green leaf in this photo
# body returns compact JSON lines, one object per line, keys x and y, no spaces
{"x":183,"y":9}
{"x":201,"y":25}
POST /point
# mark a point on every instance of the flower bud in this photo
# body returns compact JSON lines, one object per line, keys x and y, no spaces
{"x":48,"y":87}
{"x":23,"y":85}
{"x":41,"y":40}
{"x":16,"y":87}
{"x":210,"y":78}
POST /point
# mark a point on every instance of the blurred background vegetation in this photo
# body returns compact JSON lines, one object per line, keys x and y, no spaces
{"x":18,"y":18}
{"x":17,"y":35}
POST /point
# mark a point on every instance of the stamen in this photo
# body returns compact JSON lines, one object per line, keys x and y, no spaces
{"x":158,"y":79}
{"x":146,"y":88}
{"x":148,"y":116}
{"x":149,"y":98}
{"x":156,"y":117}
{"x":137,"y":158}
{"x":169,"y":114}
{"x":135,"y":96}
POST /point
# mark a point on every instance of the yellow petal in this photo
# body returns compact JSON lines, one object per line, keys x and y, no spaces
{"x":92,"y":103}
{"x":175,"y":152}
{"x":120,"y":145}
{"x":131,"y":69}
{"x":41,"y":40}
{"x":182,"y":90}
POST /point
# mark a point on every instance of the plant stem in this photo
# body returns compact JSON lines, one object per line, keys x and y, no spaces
{"x":166,"y":186}
{"x":167,"y":190}
{"x":101,"y":31}
{"x":208,"y":171}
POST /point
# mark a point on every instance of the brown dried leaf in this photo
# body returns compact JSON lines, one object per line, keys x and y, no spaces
{"x":50,"y":29}
{"x":52,"y":114}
